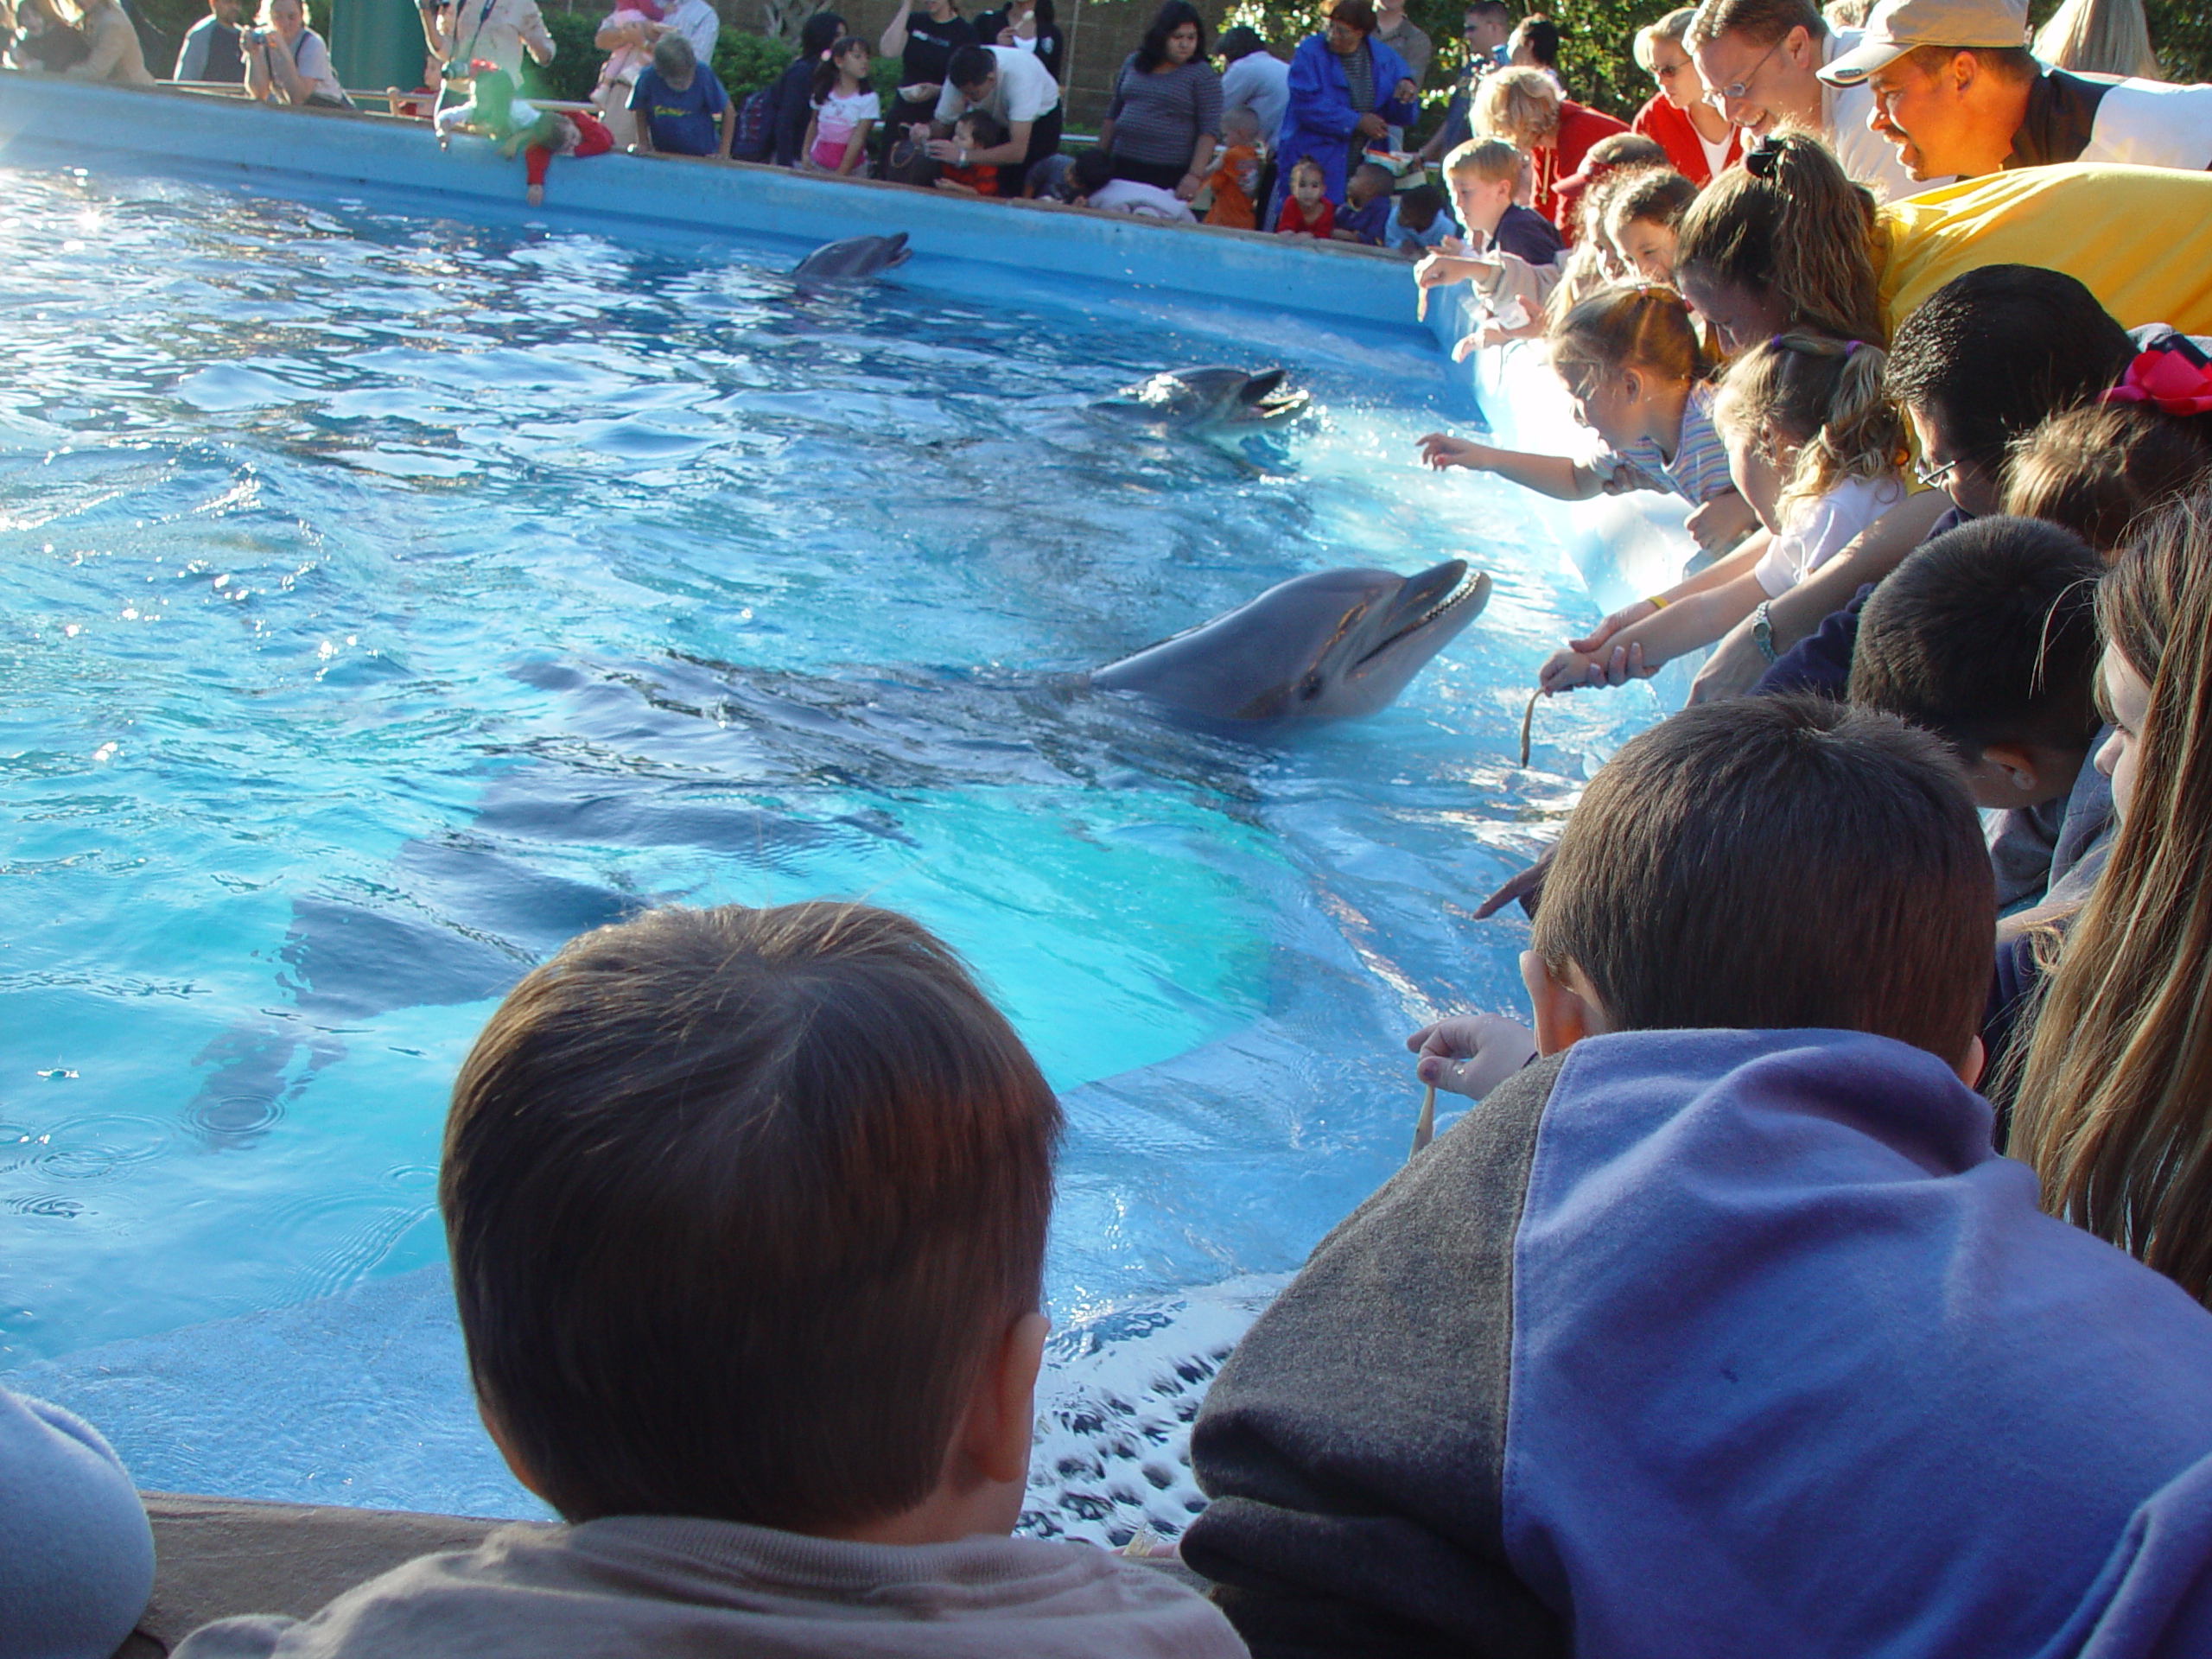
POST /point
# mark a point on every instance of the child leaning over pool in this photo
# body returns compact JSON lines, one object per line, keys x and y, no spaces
{"x":1639,"y":376}
{"x":1814,"y":444}
{"x":747,"y":1211}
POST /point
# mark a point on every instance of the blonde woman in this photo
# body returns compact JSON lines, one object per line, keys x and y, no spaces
{"x":2099,"y":37}
{"x":287,"y":62}
{"x":1525,"y":108}
{"x":1699,"y":140}
{"x":115,"y":55}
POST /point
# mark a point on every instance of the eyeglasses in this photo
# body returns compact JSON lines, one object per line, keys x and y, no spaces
{"x":1742,"y":89}
{"x":1933,"y":476}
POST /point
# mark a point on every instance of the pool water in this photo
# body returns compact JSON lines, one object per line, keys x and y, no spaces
{"x":388,"y":598}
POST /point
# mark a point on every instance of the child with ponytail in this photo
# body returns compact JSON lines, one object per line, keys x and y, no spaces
{"x":1632,"y":361}
{"x":1782,"y":241}
{"x":1815,"y":446}
{"x":846,"y":110}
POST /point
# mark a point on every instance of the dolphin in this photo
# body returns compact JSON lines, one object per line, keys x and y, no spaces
{"x":1210,"y":396}
{"x":854,"y":259}
{"x":1333,"y":645}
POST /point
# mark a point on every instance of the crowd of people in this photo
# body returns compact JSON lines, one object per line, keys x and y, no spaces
{"x":1827,"y":1267}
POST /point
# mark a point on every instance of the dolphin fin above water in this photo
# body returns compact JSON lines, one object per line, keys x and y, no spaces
{"x":1333,"y":645}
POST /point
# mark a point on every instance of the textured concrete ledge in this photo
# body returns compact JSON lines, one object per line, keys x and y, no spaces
{"x":216,"y":1557}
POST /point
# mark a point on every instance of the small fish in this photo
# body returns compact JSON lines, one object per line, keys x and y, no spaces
{"x":1528,"y":721}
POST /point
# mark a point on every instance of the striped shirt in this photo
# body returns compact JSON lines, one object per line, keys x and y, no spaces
{"x":1697,"y":473}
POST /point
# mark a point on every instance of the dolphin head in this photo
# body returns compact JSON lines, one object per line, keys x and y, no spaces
{"x":1333,"y":645}
{"x":1211,"y":397}
{"x":854,"y":258}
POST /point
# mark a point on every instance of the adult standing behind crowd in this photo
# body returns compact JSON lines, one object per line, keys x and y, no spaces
{"x":1028,"y":26}
{"x":1346,"y":89}
{"x":1697,"y":138}
{"x":1482,"y":34}
{"x":1534,"y":44}
{"x":1395,"y":30}
{"x":213,"y":49}
{"x":497,"y":32}
{"x":1955,"y":89}
{"x":1254,"y":79}
{"x":1759,"y":61}
{"x":2099,"y":37}
{"x":115,"y":54}
{"x":1012,"y":87}
{"x":284,"y":56}
{"x":791,"y":98}
{"x":1165,"y":121}
{"x":924,"y":46}
{"x":1523,"y":107}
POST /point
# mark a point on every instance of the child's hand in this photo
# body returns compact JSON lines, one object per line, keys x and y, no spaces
{"x":1567,"y":670}
{"x":1441,"y":449}
{"x":1721,"y":522}
{"x":1612,"y":625}
{"x":1472,"y":1053}
{"x":1467,"y":344}
{"x":1453,"y":245}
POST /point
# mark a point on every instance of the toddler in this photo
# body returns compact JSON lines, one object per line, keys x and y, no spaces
{"x":1814,"y":445}
{"x":846,"y":110}
{"x":1235,"y":180}
{"x":1307,"y":209}
{"x":1418,"y":221}
{"x":1366,"y":205}
{"x":977,"y":130}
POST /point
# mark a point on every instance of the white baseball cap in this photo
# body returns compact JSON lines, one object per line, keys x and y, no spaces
{"x":1895,"y":27}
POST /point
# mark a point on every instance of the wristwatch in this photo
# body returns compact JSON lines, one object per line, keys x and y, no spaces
{"x":1762,"y":629}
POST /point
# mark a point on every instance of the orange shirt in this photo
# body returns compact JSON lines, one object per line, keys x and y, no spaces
{"x":1233,"y":181}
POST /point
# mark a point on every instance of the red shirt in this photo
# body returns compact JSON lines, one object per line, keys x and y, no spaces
{"x":1322,"y":224}
{"x":1579,"y":128}
{"x":1669,"y":128}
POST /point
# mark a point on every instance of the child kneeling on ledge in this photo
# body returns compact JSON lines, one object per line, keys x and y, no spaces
{"x":1721,"y":1328}
{"x":747,"y":1211}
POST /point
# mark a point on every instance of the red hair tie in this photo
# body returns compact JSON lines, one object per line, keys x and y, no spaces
{"x":2173,"y":377}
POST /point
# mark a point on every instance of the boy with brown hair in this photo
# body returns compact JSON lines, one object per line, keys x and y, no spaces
{"x":1694,"y":1338}
{"x":747,"y":1211}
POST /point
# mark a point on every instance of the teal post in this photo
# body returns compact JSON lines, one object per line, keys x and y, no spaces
{"x":375,"y":43}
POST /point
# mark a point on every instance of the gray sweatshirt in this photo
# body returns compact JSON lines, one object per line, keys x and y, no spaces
{"x":669,"y":1586}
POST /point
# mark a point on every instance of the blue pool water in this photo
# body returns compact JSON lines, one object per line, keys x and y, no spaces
{"x":387,"y":598}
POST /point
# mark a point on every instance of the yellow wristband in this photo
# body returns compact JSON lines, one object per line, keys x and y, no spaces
{"x":1655,"y":601}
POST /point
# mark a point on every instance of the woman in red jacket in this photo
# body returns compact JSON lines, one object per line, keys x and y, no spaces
{"x":1524,"y":107}
{"x":1697,"y":137}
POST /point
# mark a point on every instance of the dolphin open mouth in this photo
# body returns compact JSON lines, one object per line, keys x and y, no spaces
{"x":1266,"y":397}
{"x":1428,"y":599}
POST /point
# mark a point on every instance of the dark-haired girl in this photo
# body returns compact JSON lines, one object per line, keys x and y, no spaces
{"x":1027,"y":25}
{"x":846,"y":110}
{"x":1166,"y":119}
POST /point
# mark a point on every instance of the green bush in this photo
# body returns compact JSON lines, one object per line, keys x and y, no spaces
{"x":745,"y":63}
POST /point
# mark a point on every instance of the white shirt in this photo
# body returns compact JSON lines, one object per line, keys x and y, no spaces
{"x":836,"y":117}
{"x":1820,"y":529}
{"x":697,"y":21}
{"x":1023,"y":90}
{"x":1716,"y":151}
{"x":1867,"y":156}
{"x":496,"y":30}
{"x":2152,"y":124}
{"x":1261,"y":83}
{"x":1149,"y":200}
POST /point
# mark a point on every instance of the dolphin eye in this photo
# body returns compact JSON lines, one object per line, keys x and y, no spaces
{"x":1309,"y":687}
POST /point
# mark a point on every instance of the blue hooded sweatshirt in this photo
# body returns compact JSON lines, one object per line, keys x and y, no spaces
{"x":1716,"y":1343}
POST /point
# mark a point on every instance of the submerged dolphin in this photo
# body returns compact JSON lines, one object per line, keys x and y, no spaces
{"x":852,"y":259}
{"x":1329,"y":646}
{"x":1211,"y":397}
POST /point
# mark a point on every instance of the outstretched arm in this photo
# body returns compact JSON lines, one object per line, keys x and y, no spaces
{"x":1551,"y":475}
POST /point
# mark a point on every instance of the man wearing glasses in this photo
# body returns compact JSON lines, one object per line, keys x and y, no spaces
{"x":1760,"y":62}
